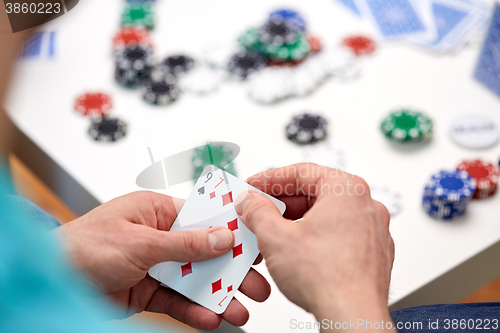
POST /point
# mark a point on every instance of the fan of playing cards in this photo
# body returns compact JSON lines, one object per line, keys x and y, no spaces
{"x":442,"y":26}
{"x":213,"y":283}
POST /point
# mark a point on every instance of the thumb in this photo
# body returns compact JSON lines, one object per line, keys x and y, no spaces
{"x":260,"y":215}
{"x":184,"y":246}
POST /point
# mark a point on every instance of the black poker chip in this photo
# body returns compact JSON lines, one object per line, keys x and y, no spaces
{"x":133,"y":64}
{"x":107,"y":129}
{"x":177,"y":64}
{"x":307,"y":128}
{"x":279,"y":32}
{"x":244,"y":63}
{"x":160,"y":91}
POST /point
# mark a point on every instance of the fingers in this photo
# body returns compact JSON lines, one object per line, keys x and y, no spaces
{"x":167,"y":301}
{"x":255,"y":286}
{"x":260,"y":215}
{"x":383,"y":212}
{"x":186,"y":246}
{"x":236,"y":314}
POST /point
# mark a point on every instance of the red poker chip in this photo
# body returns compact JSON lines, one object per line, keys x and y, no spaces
{"x":131,"y":36}
{"x":360,"y":45}
{"x":314,"y":44}
{"x":485,"y":174}
{"x":293,"y":63}
{"x":93,"y":104}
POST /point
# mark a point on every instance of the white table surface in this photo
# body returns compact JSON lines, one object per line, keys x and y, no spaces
{"x":43,"y":92}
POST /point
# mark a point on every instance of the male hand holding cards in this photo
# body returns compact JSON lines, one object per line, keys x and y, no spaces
{"x":213,"y":283}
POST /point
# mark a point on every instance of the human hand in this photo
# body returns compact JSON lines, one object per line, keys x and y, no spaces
{"x":116,"y":244}
{"x":337,"y":261}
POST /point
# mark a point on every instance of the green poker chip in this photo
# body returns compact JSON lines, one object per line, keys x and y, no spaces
{"x":218,"y":155}
{"x":298,"y":50}
{"x":138,"y":14}
{"x":406,"y":125}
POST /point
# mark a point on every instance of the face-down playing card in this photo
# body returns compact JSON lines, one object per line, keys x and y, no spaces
{"x":213,"y":283}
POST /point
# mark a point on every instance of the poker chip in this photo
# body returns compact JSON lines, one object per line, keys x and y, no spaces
{"x":485,"y":174}
{"x":324,"y":154}
{"x":107,"y":129}
{"x":244,"y":63}
{"x":304,"y":80}
{"x":176,"y":64}
{"x":90,"y":104}
{"x":131,"y":36}
{"x":390,"y":199}
{"x":335,"y":60}
{"x":138,"y":14}
{"x":201,"y":80}
{"x":278,"y":32}
{"x":360,"y":45}
{"x":447,"y":194}
{"x":217,"y":155}
{"x":289,"y":16}
{"x":474,"y":131}
{"x":270,"y":85}
{"x":406,"y":125}
{"x":133,"y":64}
{"x":160,"y":91}
{"x":306,"y":129}
{"x":452,"y":186}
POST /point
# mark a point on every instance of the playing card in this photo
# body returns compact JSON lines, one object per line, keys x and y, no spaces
{"x":350,"y":4}
{"x":488,"y":67}
{"x":395,"y":18}
{"x":213,"y":283}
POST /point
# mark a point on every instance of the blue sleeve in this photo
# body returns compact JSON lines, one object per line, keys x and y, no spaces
{"x":32,"y":211}
{"x":40,"y":292}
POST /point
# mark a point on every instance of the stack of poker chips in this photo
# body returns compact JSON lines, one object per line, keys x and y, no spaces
{"x":447,"y":194}
{"x":282,"y":39}
{"x":485,"y":174}
{"x":96,"y":106}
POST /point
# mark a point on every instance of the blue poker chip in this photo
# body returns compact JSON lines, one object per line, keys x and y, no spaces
{"x":291,"y":16}
{"x":452,"y":186}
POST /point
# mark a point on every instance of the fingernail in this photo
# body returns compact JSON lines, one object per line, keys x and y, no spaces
{"x":242,"y":202}
{"x":220,"y":239}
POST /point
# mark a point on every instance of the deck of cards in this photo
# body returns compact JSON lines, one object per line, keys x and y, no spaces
{"x":213,"y":283}
{"x":441,"y":26}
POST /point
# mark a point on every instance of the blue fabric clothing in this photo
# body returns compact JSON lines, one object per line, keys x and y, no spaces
{"x":32,"y":211}
{"x":39,"y":291}
{"x":473,"y":317}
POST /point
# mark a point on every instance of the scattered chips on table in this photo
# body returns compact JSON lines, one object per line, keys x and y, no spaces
{"x":390,"y":199}
{"x":474,"y":131}
{"x":307,"y":128}
{"x":447,"y":194}
{"x":406,"y":125}
{"x":93,"y":103}
{"x":324,"y":154}
{"x":485,"y":174}
{"x":107,"y":129}
{"x":244,"y":63}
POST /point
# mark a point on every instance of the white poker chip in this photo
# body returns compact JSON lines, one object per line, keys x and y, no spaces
{"x":336,"y":59}
{"x":474,"y":131}
{"x":304,"y":82}
{"x":270,"y":84}
{"x":324,"y":154}
{"x":201,"y":80}
{"x":218,"y":55}
{"x":390,"y":199}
